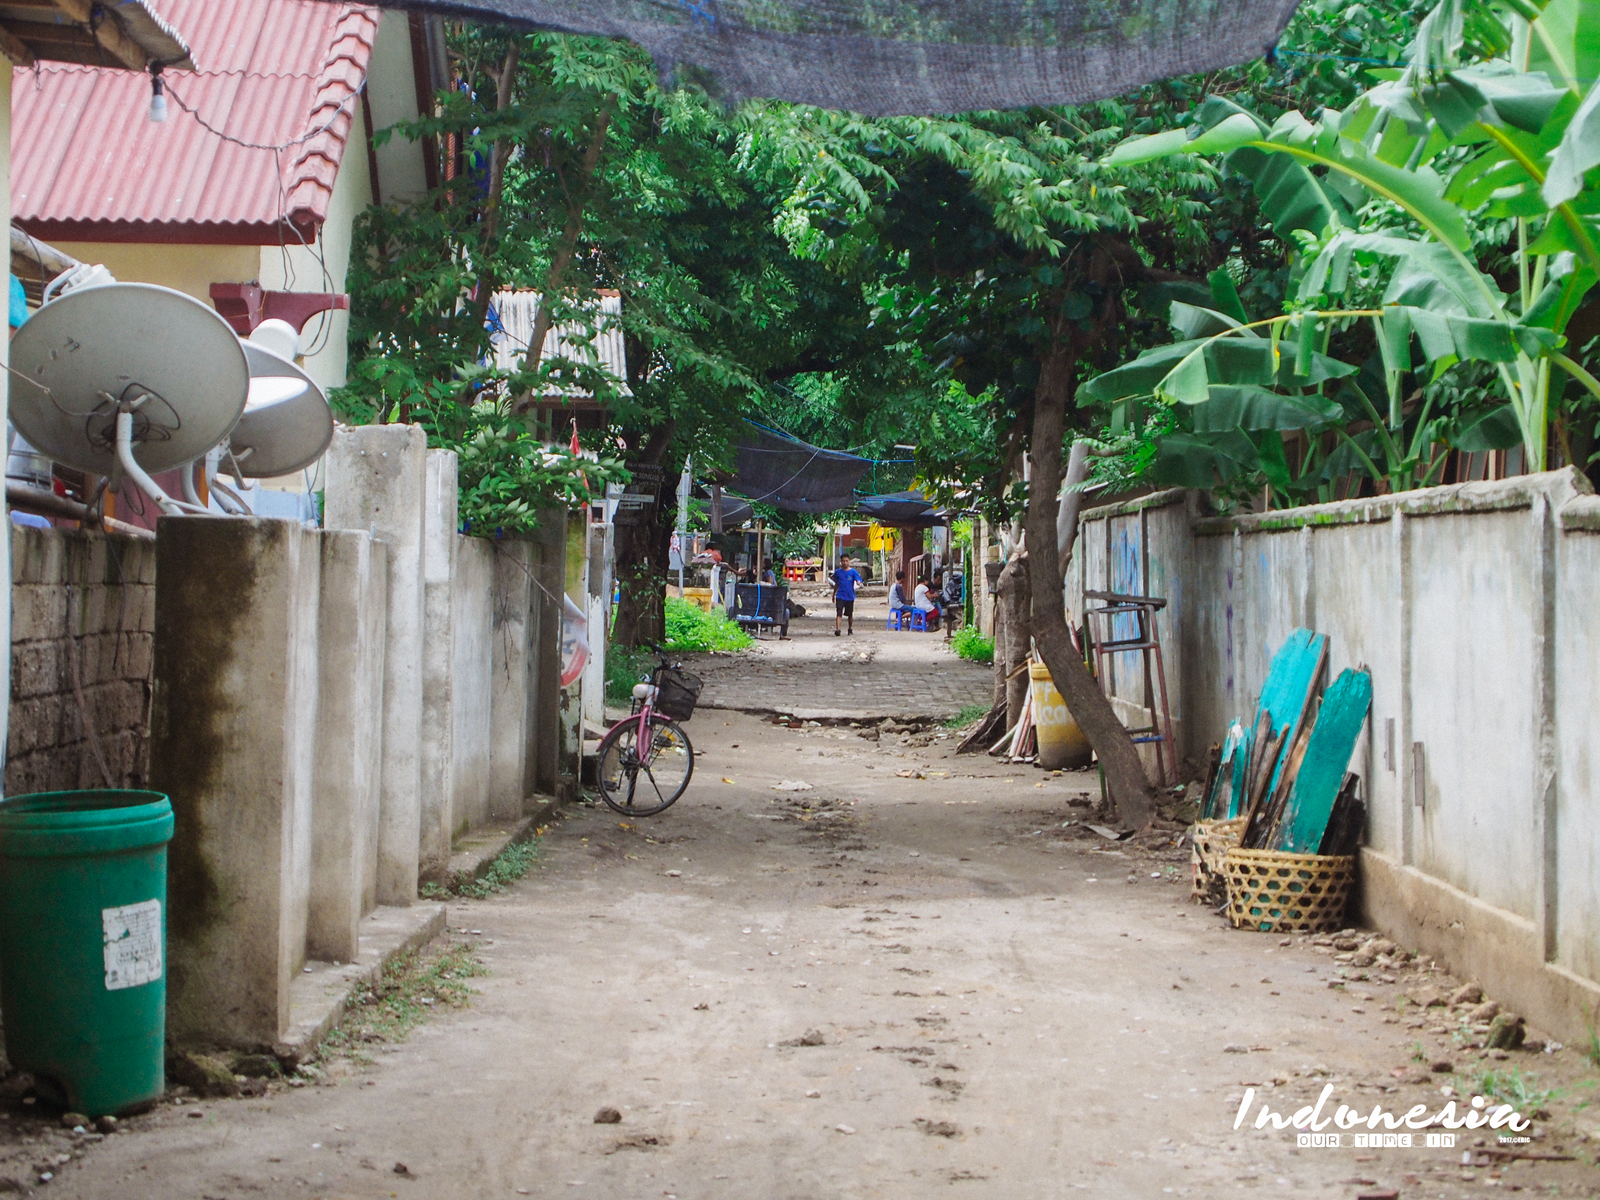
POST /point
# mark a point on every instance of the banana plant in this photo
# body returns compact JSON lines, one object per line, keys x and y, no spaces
{"x":1516,"y":135}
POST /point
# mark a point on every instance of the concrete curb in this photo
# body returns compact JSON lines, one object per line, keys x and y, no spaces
{"x":828,"y":716}
{"x":321,"y":993}
{"x":472,"y":855}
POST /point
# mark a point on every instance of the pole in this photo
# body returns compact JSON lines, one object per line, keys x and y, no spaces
{"x":685,"y":483}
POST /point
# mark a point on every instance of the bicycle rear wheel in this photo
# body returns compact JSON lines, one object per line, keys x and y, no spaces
{"x":641,"y":783}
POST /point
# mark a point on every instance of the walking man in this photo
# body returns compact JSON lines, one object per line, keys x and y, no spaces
{"x":845,"y":579}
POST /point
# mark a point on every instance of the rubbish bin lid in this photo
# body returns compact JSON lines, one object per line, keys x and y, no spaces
{"x":97,"y":821}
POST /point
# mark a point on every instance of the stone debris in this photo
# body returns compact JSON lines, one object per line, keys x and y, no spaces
{"x":202,"y":1073}
{"x":811,"y":1037}
{"x":608,"y":1116}
{"x":1506,"y":1032}
{"x":1467,"y":993}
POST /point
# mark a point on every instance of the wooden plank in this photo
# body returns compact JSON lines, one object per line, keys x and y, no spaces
{"x":1241,"y":768}
{"x":107,"y":32}
{"x":11,"y":46}
{"x":1291,"y":683}
{"x":1333,"y":740}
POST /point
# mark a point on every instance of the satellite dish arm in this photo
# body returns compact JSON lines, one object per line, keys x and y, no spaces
{"x":173,"y":508}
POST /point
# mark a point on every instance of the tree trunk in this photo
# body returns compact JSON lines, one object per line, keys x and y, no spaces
{"x":1119,"y":758}
{"x":1014,"y":597}
{"x":499,"y":155}
{"x":641,"y":558}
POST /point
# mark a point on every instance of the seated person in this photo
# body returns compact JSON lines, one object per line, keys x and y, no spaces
{"x":924,"y":604}
{"x":897,"y":595}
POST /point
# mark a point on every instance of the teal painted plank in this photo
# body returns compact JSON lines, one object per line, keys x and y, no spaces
{"x":1322,"y":771}
{"x":1287,"y":692}
{"x":1241,"y":760}
{"x":1222,"y":786}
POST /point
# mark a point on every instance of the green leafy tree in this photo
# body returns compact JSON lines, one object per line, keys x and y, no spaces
{"x":1487,"y":128}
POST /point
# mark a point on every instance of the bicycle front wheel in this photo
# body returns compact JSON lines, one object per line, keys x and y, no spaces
{"x":642,"y":781}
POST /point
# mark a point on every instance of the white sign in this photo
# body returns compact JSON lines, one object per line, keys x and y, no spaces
{"x":133,"y":944}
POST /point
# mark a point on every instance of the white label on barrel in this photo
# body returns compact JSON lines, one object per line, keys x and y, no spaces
{"x":133,"y":944}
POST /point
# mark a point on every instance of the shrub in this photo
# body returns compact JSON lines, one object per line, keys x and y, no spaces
{"x":691,"y":629}
{"x":969,"y":643}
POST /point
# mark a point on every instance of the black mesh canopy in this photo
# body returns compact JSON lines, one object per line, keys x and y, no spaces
{"x":918,"y":56}
{"x":904,"y":510}
{"x":794,"y":476}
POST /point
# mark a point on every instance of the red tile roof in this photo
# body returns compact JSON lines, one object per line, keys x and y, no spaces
{"x":87,"y":164}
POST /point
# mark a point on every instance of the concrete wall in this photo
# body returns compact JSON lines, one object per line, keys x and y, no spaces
{"x":1472,"y":606}
{"x":233,"y":744}
{"x":473,"y":605}
{"x":80,"y":660}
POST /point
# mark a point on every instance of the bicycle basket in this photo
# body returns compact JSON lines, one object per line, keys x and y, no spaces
{"x":678,"y":692}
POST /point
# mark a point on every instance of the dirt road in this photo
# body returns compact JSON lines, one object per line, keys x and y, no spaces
{"x":920,"y":976}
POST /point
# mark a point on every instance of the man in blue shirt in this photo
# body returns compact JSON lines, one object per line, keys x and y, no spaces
{"x":844,"y":595}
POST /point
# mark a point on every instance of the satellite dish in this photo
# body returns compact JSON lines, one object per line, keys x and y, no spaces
{"x":287,"y":423}
{"x":129,"y":375}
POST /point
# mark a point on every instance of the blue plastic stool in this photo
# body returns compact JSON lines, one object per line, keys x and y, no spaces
{"x":919,"y":621}
{"x":894,"y":619}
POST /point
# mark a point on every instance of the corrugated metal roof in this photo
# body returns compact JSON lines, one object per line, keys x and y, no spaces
{"x":515,"y":312}
{"x":88,"y":165}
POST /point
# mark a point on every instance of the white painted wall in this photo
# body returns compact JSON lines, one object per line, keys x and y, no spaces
{"x":1472,"y":606}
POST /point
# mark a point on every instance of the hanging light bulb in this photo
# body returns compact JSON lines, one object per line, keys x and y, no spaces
{"x":158,"y":97}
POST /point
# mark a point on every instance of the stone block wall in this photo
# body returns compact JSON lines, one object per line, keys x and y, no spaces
{"x":81,"y":632}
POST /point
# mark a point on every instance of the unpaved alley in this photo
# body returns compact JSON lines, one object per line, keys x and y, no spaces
{"x":851,"y":964}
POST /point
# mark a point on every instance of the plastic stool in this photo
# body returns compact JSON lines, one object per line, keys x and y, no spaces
{"x":919,"y":621}
{"x":894,"y":619}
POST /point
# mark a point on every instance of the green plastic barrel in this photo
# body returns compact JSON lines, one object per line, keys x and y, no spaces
{"x":83,"y":935}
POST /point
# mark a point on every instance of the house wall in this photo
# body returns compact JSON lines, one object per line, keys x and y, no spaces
{"x":1472,"y":606}
{"x":188,"y":269}
{"x":392,"y":97}
{"x":321,"y":266}
{"x":80,"y":660}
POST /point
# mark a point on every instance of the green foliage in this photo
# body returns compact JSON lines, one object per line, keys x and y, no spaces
{"x":968,"y":714}
{"x":690,"y":629}
{"x":414,"y":985}
{"x":1391,"y":204}
{"x":969,"y":643}
{"x":625,"y":667}
{"x":609,"y":182}
{"x":1512,"y":1086}
{"x":510,"y":865}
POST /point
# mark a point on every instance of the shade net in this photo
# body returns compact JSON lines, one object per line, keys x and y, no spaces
{"x":903,"y":510}
{"x":794,"y":476}
{"x":933,"y":56}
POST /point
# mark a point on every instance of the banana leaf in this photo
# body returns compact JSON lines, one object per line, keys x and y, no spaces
{"x":1255,"y":408}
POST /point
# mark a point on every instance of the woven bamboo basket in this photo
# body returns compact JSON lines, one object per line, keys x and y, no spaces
{"x":1276,"y":892}
{"x":1212,"y":840}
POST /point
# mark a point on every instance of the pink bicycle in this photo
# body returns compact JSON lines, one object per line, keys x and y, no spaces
{"x":645,"y":759}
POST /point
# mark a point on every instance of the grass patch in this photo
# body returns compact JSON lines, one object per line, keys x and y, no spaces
{"x":417,"y":983}
{"x":691,"y":629}
{"x":1517,"y":1088}
{"x":970,"y":644}
{"x":510,"y":865}
{"x":968,"y":714}
{"x":624,"y":668}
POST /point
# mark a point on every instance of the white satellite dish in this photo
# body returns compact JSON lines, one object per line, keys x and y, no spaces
{"x":131,"y":377}
{"x":287,"y":423}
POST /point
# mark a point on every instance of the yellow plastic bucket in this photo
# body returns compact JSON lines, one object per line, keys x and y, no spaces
{"x":1062,"y":745}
